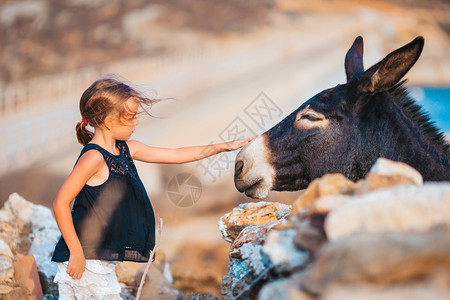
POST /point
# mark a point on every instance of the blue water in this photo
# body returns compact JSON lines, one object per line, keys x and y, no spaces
{"x":436,"y":102}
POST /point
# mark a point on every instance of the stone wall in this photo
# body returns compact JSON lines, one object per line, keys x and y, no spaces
{"x":384,"y":237}
{"x":28,"y":235}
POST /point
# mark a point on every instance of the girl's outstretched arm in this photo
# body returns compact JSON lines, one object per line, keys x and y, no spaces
{"x":87,"y":166}
{"x":142,"y":152}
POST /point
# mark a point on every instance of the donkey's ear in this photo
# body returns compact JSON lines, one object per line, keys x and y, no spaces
{"x":354,"y":59}
{"x":388,"y":72}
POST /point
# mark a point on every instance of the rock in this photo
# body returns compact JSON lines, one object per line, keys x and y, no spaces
{"x":246,"y":272}
{"x":4,"y":289}
{"x":26,"y":275}
{"x":379,"y":259}
{"x":44,"y":225}
{"x":156,"y":286}
{"x":18,"y":207}
{"x":6,"y":270}
{"x":327,"y":203}
{"x":249,"y":214}
{"x":5,"y":251}
{"x":31,"y":231}
{"x":253,"y":255}
{"x":45,"y":234}
{"x":373,"y":232}
{"x":251,"y":234}
{"x":49,"y":288}
{"x":15,"y":293}
{"x":15,"y":234}
{"x":398,"y":292}
{"x":329,"y":184}
{"x":226,"y":289}
{"x":285,"y":289}
{"x":331,"y":189}
{"x":284,"y":256}
{"x":310,"y":235}
{"x":385,"y":173}
{"x":14,"y":224}
{"x":401,"y":208}
{"x":5,"y":216}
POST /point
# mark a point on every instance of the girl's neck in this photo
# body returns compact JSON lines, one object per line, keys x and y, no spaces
{"x":104,"y":140}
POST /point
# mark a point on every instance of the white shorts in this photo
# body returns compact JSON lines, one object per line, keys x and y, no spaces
{"x":99,"y":282}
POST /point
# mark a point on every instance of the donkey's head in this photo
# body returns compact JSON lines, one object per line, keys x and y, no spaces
{"x":343,"y":129}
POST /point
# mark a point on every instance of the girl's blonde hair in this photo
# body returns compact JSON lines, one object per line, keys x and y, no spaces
{"x":105,"y":96}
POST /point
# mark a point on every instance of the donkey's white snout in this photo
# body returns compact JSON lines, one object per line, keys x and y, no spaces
{"x":253,"y":173}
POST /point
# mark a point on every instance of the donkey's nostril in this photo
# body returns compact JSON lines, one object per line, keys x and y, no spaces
{"x":238,"y":167}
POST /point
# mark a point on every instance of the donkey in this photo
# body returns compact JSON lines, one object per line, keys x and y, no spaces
{"x":344,"y":129}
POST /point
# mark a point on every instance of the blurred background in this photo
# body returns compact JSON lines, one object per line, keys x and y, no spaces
{"x":229,"y":69}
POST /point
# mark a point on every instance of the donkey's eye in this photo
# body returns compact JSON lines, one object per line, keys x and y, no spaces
{"x":308,"y":118}
{"x":311,"y":117}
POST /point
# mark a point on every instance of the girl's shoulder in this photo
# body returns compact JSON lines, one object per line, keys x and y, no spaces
{"x":90,"y":165}
{"x":132,"y":146}
{"x":91,"y":158}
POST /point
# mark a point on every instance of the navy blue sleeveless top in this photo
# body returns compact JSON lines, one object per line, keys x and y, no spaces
{"x":113,"y":220}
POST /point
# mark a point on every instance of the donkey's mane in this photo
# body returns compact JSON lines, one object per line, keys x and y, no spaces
{"x":420,"y":117}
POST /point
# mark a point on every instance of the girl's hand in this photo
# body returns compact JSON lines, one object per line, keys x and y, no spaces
{"x":77,"y":264}
{"x":233,"y":145}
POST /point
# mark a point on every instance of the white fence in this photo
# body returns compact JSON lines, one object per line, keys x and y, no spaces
{"x":24,"y":95}
{"x":38,"y":116}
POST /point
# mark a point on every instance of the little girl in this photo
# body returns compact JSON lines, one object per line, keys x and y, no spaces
{"x":112,"y":218}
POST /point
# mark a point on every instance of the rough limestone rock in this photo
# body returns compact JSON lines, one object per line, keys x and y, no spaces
{"x":280,"y":248}
{"x":437,"y":290}
{"x":379,"y":259}
{"x":26,"y":229}
{"x":248,"y":266}
{"x":264,"y":250}
{"x":385,"y":173}
{"x":251,"y":234}
{"x":401,"y":208}
{"x":45,"y":234}
{"x":31,"y":229}
{"x":5,"y":251}
{"x":15,"y":292}
{"x":15,"y":227}
{"x":26,"y":275}
{"x":329,"y":184}
{"x":4,"y":289}
{"x":285,"y":289}
{"x":6,"y":270}
{"x":243,"y":272}
{"x":19,"y":208}
{"x":250,"y":214}
{"x":384,"y":237}
{"x":310,"y":234}
{"x":328,"y":203}
{"x":331,"y":189}
{"x":6,"y":262}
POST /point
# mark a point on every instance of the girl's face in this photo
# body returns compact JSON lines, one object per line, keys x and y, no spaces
{"x":123,"y":126}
